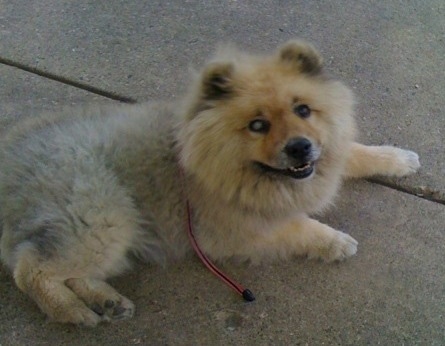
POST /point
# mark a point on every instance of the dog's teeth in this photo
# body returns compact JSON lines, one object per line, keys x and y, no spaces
{"x":299,"y":169}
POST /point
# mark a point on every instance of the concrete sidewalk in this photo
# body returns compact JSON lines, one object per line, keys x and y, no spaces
{"x":391,"y":53}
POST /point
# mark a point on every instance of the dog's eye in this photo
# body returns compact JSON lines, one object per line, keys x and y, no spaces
{"x":302,"y":111}
{"x":259,"y":125}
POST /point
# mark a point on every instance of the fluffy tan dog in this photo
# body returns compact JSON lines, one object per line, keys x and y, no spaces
{"x":263,"y":141}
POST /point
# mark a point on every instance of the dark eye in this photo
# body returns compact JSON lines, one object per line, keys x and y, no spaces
{"x":259,"y":126}
{"x":302,"y":111}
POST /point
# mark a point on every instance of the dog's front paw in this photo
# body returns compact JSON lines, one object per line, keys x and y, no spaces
{"x":339,"y":248}
{"x":405,"y":162}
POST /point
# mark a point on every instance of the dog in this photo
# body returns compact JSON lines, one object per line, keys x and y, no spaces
{"x":257,"y":144}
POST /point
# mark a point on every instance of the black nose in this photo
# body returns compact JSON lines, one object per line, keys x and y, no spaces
{"x":298,"y":148}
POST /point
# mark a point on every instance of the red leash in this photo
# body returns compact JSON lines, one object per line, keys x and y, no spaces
{"x":244,"y":292}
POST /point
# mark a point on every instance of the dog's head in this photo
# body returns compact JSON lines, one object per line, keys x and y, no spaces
{"x":255,"y":123}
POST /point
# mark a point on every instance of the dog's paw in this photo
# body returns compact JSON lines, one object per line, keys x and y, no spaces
{"x":339,"y":248}
{"x":102,"y":299}
{"x":405,"y":162}
{"x":114,"y":309}
{"x":119,"y":310}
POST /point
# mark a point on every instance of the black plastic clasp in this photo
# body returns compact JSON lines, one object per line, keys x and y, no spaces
{"x":248,"y":295}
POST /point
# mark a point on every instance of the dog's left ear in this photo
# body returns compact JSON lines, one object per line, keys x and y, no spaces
{"x":217,"y":81}
{"x":302,"y":56}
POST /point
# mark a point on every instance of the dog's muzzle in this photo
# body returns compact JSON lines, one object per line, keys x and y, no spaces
{"x":297,"y":159}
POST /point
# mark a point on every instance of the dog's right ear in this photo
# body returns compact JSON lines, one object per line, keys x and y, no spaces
{"x":302,"y":56}
{"x":217,"y":81}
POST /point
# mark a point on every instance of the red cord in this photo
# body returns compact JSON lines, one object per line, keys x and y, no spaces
{"x":245,"y":293}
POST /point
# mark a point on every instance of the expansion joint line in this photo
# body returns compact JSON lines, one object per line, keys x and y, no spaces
{"x":64,"y":80}
{"x":413,"y":191}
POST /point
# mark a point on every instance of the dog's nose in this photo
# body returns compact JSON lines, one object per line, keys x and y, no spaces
{"x":298,"y":148}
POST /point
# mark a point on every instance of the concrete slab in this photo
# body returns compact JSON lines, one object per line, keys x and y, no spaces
{"x":390,"y":293}
{"x":391,"y":53}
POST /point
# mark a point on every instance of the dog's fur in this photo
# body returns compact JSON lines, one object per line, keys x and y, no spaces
{"x":80,"y":193}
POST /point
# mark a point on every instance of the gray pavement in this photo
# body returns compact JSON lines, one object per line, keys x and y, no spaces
{"x":391,"y":53}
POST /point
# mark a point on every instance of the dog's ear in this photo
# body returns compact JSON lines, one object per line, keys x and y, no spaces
{"x":302,"y":56}
{"x":217,"y":81}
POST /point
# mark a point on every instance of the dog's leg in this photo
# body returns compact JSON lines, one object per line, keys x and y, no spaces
{"x":65,"y":288}
{"x":102,"y":298}
{"x":51,"y":294}
{"x":365,"y":161}
{"x":303,"y":236}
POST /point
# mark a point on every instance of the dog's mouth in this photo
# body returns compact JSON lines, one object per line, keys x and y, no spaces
{"x":299,"y":172}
